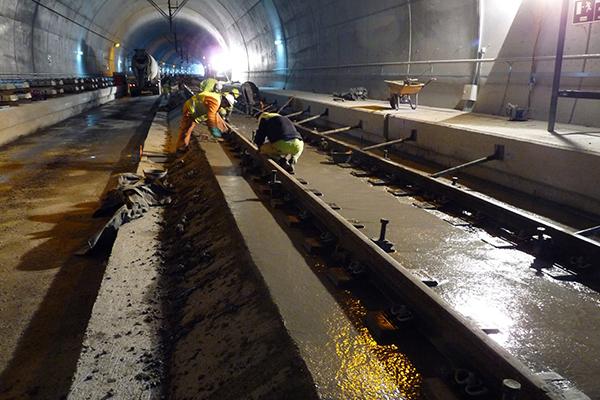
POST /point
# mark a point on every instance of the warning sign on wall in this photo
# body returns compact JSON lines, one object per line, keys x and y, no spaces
{"x":586,"y":11}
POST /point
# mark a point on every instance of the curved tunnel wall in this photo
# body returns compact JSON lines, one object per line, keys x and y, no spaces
{"x":320,"y":46}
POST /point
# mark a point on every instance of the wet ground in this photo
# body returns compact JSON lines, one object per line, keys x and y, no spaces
{"x":50,"y":185}
{"x":541,"y":316}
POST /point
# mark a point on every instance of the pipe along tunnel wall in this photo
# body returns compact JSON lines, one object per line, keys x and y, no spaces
{"x":324,"y":47}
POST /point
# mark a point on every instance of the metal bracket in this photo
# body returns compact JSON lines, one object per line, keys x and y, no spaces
{"x":497,"y":156}
{"x":340,"y":130}
{"x":298,"y":113}
{"x":411,"y":138}
{"x":286,"y":104}
{"x":315,"y":117}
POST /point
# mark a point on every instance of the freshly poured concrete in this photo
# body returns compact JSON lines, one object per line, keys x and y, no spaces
{"x":546,"y":323}
{"x":50,"y":185}
{"x":536,"y":162}
{"x":343,"y":359}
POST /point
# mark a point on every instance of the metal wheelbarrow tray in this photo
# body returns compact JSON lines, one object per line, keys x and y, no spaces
{"x":406,"y":92}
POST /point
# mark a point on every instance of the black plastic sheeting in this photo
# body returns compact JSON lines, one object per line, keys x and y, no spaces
{"x":131,"y":198}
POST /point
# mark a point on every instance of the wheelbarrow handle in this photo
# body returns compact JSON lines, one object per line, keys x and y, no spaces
{"x":429,"y":81}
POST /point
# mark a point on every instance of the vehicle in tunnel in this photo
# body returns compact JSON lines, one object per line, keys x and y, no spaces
{"x":146,"y":73}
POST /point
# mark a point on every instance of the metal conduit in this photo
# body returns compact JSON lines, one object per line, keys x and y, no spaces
{"x":428,"y":62}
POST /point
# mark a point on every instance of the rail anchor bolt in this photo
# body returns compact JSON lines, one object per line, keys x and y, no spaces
{"x":382,"y":242}
{"x":454,"y":180}
{"x":386,"y":154}
{"x":510,"y":389}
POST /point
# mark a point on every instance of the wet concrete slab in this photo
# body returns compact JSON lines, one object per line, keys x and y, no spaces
{"x":52,"y":183}
{"x":343,"y":359}
{"x":548,"y":324}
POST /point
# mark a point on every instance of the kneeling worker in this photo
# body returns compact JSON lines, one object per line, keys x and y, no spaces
{"x":284,"y":139}
{"x":201,"y":107}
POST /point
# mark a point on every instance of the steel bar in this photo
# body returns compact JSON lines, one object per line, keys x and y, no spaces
{"x":179,"y":8}
{"x":498,"y":155}
{"x":560,"y":51}
{"x":454,"y":335}
{"x":313,"y":118}
{"x":564,"y":242}
{"x":339,"y":130}
{"x":295,"y":114}
{"x":160,"y":10}
{"x":579,"y":94}
{"x":390,"y":143}
{"x":589,"y":231}
{"x":287,"y":103}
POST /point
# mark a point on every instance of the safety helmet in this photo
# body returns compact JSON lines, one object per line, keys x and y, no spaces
{"x":230,"y":99}
{"x":218,"y":86}
{"x":235,"y":92}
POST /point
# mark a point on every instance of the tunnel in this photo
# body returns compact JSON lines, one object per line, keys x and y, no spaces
{"x":317,"y":199}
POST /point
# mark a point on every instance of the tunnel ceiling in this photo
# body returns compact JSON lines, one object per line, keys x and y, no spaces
{"x":322,"y":46}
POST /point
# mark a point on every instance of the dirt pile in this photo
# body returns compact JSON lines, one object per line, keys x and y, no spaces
{"x":224,"y":335}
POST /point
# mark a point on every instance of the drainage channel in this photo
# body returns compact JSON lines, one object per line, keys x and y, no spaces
{"x":455,"y":336}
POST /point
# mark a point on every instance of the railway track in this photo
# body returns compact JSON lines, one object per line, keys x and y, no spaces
{"x":551,"y":242}
{"x":458,"y":338}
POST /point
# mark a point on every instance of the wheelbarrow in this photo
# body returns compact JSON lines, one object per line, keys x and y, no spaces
{"x":406,"y":92}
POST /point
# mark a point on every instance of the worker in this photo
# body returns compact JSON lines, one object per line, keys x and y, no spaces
{"x":229,"y":100}
{"x":202,"y":107}
{"x":209,"y":85}
{"x":250,"y":94}
{"x":284,"y":140}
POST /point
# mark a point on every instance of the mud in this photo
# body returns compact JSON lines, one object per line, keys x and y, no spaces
{"x":223,"y":334}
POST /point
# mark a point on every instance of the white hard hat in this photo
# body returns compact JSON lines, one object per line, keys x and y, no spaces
{"x":218,"y":86}
{"x":230,"y":99}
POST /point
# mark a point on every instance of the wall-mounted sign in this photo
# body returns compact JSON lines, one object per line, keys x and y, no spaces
{"x":586,"y":11}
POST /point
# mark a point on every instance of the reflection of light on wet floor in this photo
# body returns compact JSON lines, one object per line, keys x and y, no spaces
{"x":367,"y":370}
{"x":91,"y":120}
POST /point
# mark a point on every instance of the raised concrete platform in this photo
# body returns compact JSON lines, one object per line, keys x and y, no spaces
{"x":560,"y":167}
{"x":29,"y":118}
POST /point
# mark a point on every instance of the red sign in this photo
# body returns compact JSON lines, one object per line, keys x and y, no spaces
{"x":586,"y":11}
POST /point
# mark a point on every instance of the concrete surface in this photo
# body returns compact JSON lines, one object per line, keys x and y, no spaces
{"x":122,"y":352}
{"x":547,"y":323}
{"x":29,"y":118}
{"x":342,"y":357}
{"x":166,"y":326}
{"x":50,"y":185}
{"x":536,"y":162}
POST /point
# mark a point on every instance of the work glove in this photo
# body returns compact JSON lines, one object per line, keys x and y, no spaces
{"x":216,"y":132}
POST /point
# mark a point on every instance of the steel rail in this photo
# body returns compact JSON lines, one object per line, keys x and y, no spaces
{"x":574,"y":250}
{"x":454,"y":335}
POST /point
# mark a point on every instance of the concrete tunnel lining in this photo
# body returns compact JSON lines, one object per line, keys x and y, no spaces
{"x":326,"y":47}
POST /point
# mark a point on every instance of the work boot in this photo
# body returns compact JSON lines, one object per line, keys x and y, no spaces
{"x":290,"y":166}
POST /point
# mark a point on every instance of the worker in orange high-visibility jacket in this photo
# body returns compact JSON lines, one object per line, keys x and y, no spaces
{"x":202,"y":107}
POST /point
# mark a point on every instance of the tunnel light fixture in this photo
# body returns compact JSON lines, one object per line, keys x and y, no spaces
{"x":117,"y":45}
{"x":278,"y":42}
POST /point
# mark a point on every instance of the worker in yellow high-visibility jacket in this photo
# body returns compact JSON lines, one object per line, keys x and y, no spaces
{"x":202,"y":107}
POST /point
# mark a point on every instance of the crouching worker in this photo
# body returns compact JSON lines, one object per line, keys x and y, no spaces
{"x":284,"y":141}
{"x":202,"y":107}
